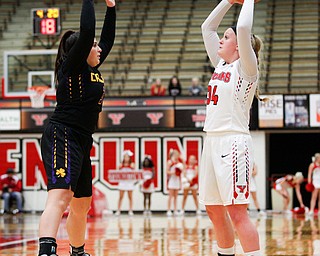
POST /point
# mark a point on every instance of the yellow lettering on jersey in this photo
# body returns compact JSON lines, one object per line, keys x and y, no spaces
{"x":96,"y":78}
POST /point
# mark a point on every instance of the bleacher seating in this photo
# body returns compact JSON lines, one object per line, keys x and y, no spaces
{"x":293,"y":55}
{"x":157,"y":38}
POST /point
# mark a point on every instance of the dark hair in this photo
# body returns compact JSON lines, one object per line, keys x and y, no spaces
{"x":67,"y":41}
{"x":147,"y":162}
{"x":178,"y":82}
{"x":234,"y":28}
{"x":10,"y":171}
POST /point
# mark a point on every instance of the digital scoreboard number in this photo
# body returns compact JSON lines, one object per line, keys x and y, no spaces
{"x":46,"y":21}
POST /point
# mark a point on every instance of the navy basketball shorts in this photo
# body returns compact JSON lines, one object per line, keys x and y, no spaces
{"x":225,"y":169}
{"x":66,"y":157}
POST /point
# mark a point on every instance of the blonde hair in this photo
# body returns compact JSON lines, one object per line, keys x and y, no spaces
{"x":316,"y":155}
{"x":257,"y":45}
{"x":298,"y":176}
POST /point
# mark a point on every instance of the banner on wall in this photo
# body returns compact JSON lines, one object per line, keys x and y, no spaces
{"x":24,"y":155}
{"x":296,"y":111}
{"x":35,"y":119}
{"x":169,"y":113}
{"x":150,"y":112}
{"x":271,"y":112}
{"x":190,"y":112}
{"x":10,"y":120}
{"x":314,"y":106}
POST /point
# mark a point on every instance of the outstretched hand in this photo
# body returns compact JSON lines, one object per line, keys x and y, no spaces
{"x":110,"y":3}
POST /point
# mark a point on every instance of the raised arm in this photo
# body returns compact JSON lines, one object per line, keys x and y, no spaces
{"x":209,"y":30}
{"x":248,"y":59}
{"x":78,"y":55}
{"x":108,"y":32}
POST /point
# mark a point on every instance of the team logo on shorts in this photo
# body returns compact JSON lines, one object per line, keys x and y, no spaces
{"x":61,"y":173}
{"x":241,"y":190}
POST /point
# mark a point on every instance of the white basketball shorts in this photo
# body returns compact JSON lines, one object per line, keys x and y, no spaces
{"x":225,"y":169}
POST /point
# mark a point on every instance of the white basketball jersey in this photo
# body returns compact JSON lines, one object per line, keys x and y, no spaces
{"x":229,"y":100}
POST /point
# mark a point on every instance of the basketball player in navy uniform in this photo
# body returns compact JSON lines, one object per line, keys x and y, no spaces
{"x":227,"y":157}
{"x":67,"y":140}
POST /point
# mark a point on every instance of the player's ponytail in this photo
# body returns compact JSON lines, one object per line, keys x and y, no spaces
{"x":257,"y":45}
{"x":67,"y":41}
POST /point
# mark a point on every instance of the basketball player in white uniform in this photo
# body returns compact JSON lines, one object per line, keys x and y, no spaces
{"x":314,"y":178}
{"x":227,"y":157}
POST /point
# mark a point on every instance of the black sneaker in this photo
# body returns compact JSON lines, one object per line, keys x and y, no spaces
{"x":48,"y":255}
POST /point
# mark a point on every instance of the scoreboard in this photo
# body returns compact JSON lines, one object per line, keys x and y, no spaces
{"x":46,"y":21}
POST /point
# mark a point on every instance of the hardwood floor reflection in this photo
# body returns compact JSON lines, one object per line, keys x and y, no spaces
{"x":161,"y":235}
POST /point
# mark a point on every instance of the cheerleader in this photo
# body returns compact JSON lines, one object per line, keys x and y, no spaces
{"x":174,"y":170}
{"x":314,"y":178}
{"x":190,"y":183}
{"x":289,"y":181}
{"x":147,"y":187}
{"x":126,"y":185}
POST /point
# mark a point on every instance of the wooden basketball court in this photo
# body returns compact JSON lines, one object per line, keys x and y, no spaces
{"x":161,"y":235}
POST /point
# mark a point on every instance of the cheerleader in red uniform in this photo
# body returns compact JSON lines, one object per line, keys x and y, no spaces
{"x":126,"y":185}
{"x":314,"y":179}
{"x":190,"y":183}
{"x":174,"y":169}
{"x":282,"y":184}
{"x":147,"y":187}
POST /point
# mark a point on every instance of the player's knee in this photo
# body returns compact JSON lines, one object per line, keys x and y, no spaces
{"x":80,"y":209}
{"x":238,"y":217}
{"x":62,"y":204}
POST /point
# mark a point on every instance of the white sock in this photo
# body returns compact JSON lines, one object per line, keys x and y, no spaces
{"x":226,"y":251}
{"x":255,"y":253}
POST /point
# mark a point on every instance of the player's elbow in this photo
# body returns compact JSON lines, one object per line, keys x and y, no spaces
{"x":243,"y":29}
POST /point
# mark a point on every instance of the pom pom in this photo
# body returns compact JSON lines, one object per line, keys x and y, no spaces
{"x":309,"y":187}
{"x":147,"y":183}
{"x":194,"y":181}
{"x":299,"y":210}
{"x":185,"y":182}
{"x":178,"y":171}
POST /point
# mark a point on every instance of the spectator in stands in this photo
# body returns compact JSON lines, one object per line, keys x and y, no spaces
{"x":126,"y":185}
{"x":10,"y":188}
{"x":174,"y":170}
{"x":147,"y":187}
{"x":227,"y":156}
{"x":196,"y":88}
{"x":314,"y":179}
{"x":174,"y":87}
{"x":67,"y":140}
{"x":157,"y":89}
{"x":282,"y":184}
